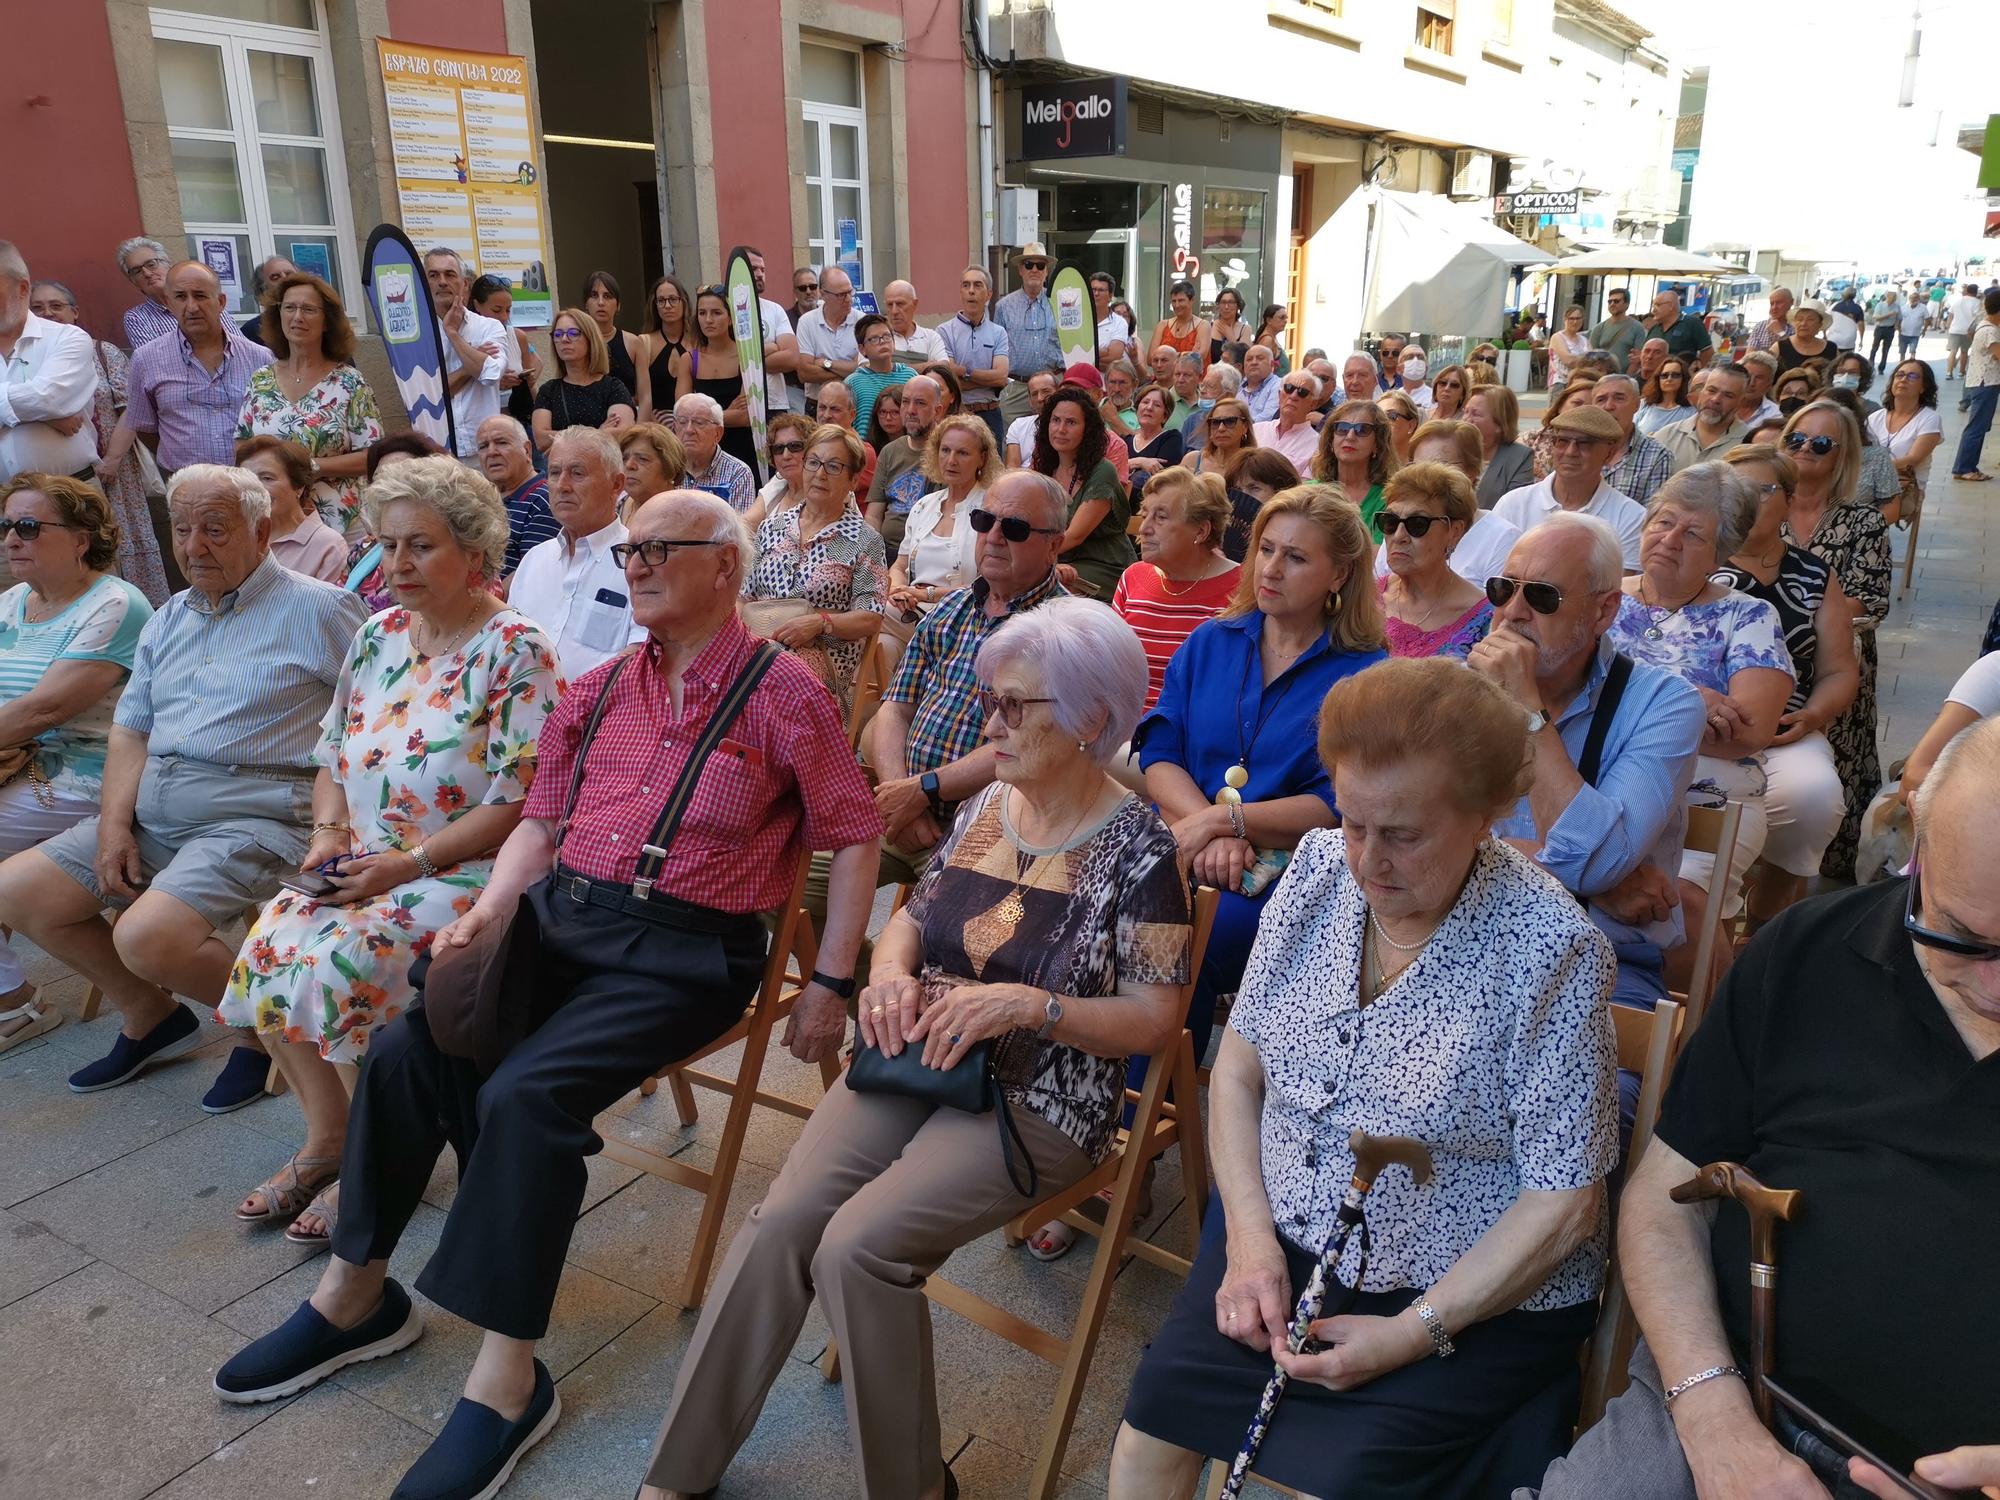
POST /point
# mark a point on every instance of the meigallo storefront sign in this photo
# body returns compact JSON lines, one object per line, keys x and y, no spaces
{"x":1074,"y":117}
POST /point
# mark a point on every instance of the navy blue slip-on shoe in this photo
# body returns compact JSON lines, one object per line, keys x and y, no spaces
{"x":240,"y":1082}
{"x":476,"y":1453}
{"x":180,"y":1032}
{"x":305,"y":1349}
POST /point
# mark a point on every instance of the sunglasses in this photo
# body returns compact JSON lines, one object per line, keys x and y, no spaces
{"x":1543,"y":598}
{"x":795,"y":446}
{"x":1944,"y":942}
{"x":1390,"y":412}
{"x":1417,"y":526}
{"x":30,"y":528}
{"x":1034,"y":265}
{"x":806,"y":286}
{"x":1484,"y":359}
{"x":1353,"y":429}
{"x":1013,"y":528}
{"x":713,"y":289}
{"x":654,"y":551}
{"x":1798,"y":442}
{"x":1006,"y":705}
{"x":1225,"y":421}
{"x":1297,"y":390}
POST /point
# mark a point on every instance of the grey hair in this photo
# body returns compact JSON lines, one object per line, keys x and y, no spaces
{"x":1630,"y":382}
{"x":1357,"y":355}
{"x":1606,"y":563}
{"x":724,"y":523}
{"x":1319,"y":386}
{"x":697,"y":401}
{"x":140,"y":242}
{"x":1055,"y":504}
{"x":599,"y":442}
{"x":1090,"y":661}
{"x":842,"y":388}
{"x":514,"y":429}
{"x":436,"y":250}
{"x":12,"y":262}
{"x":250,"y":491}
{"x":1229,"y":375}
{"x":1190,"y":359}
{"x":68,"y":295}
{"x":1978,"y":744}
{"x":464,"y":499}
{"x":1715,"y":489}
{"x":1126,"y":365}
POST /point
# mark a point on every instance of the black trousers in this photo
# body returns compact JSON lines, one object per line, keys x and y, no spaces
{"x":1885,"y":335}
{"x":617,"y":999}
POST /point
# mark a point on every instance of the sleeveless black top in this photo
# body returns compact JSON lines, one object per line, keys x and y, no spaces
{"x":663,"y":377}
{"x":621,"y":360}
{"x":735,"y":440}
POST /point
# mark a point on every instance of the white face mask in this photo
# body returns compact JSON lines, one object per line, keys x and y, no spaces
{"x":1413,"y":369}
{"x":1847,"y":382}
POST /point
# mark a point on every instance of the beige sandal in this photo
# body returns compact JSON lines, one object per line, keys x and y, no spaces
{"x":29,"y":1020}
{"x":327,"y":1206}
{"x":289,"y":1193}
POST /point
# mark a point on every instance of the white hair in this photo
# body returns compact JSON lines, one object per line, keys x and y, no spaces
{"x":718,"y":521}
{"x":1091,"y":664}
{"x":514,"y":429}
{"x":1628,"y":381}
{"x":696,"y":403}
{"x":1977,"y":746}
{"x":464,"y":499}
{"x":13,"y":264}
{"x":1319,"y":387}
{"x":1357,"y":358}
{"x":1055,"y":503}
{"x":250,"y":491}
{"x":1605,"y":565}
{"x":597,"y":441}
{"x":1230,"y":376}
{"x":1716,"y":489}
{"x":140,"y":242}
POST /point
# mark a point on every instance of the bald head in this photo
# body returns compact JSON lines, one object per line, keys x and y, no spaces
{"x":194,"y":297}
{"x":899,"y":302}
{"x":1958,"y":838}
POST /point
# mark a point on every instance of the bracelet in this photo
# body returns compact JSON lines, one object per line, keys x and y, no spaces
{"x":1441,"y":1344}
{"x":1236,"y":823}
{"x":825,"y":623}
{"x":424,"y":866}
{"x":1701,"y":1377}
{"x":319,"y":828}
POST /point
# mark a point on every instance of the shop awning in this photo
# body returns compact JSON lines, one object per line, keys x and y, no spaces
{"x":1439,"y":267}
{"x":1637,"y":260}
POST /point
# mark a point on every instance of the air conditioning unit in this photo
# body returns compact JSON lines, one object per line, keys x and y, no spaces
{"x":1019,"y":216}
{"x":1471,"y":174}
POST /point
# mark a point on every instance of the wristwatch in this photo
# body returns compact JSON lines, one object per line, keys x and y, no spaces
{"x":1052,"y":1013}
{"x":841,"y":987}
{"x":1537,"y":721}
{"x":826,"y":362}
{"x":1441,"y":1343}
{"x":929,"y":782}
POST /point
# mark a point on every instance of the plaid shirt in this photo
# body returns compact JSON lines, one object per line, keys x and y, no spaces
{"x":195,"y":413}
{"x":1761,"y":337}
{"x":936,"y":672}
{"x":782,"y":780}
{"x":1642,"y":470}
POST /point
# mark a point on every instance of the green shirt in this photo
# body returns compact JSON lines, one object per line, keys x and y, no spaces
{"x":1618,"y":337}
{"x":1101,"y":558}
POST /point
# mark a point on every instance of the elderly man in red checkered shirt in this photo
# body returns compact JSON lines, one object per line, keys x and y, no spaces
{"x":627,"y":976}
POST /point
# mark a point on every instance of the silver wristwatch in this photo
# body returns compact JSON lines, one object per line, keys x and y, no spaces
{"x":1441,"y":1344}
{"x":1051,"y":1014}
{"x":1537,"y":721}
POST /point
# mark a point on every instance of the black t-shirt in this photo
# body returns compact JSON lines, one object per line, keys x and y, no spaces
{"x":1827,"y":1064}
{"x":582,"y":405}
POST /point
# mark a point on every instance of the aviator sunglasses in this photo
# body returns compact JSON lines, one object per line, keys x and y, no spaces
{"x":1014,"y":528}
{"x":1543,"y":598}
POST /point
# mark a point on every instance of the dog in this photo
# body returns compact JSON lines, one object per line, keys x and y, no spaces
{"x":1888,"y":839}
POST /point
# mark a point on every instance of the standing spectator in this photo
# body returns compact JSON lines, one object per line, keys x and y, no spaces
{"x":1271,"y":334}
{"x":711,"y":467}
{"x":267,"y":275}
{"x":135,"y":485}
{"x":1686,"y":334}
{"x":1580,"y":440}
{"x":1916,"y":318}
{"x":300,"y":540}
{"x":1181,"y":330}
{"x":899,"y":480}
{"x":1982,"y":389}
{"x":1567,"y":347}
{"x":571,"y":585}
{"x":782,"y":359}
{"x":188,"y":392}
{"x":1908,"y":427}
{"x":1114,"y":334}
{"x":805,"y":294}
{"x":625,"y":352}
{"x":313,"y":395}
{"x":1808,"y":341}
{"x":1496,"y":411}
{"x":1070,"y":444}
{"x":475,"y":349}
{"x":47,"y":382}
{"x":1960,"y":320}
{"x":1389,"y":355}
{"x":1843,"y":324}
{"x":977,"y":350}
{"x":507,"y":459}
{"x":712,"y":368}
{"x":829,"y":337}
{"x":1886,"y":315}
{"x":1638,"y":466}
{"x":670,"y":331}
{"x":1030,"y":321}
{"x":1227,"y":326}
{"x":583,"y":392}
{"x":1620,"y":334}
{"x":1778,"y":326}
{"x":493,"y":297}
{"x":68,"y":632}
{"x":145,"y":264}
{"x":1291,"y":432}
{"x":920,"y":347}
{"x":878,"y":371}
{"x":1357,"y":452}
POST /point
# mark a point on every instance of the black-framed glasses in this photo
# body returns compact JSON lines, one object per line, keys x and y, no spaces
{"x":1417,"y":526}
{"x":1543,"y":598}
{"x":796,"y":445}
{"x":826,"y":466}
{"x":654,"y":551}
{"x":1930,"y":937}
{"x":1819,"y":447}
{"x":1353,"y":429}
{"x":30,"y":528}
{"x":1008,"y":706}
{"x":1014,"y":528}
{"x":133,"y":273}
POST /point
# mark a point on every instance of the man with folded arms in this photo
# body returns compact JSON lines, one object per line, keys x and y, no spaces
{"x":208,"y":783}
{"x":1852,"y":1054}
{"x":626,"y":979}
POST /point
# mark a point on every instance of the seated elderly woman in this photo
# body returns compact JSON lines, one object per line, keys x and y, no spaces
{"x":1376,"y":999}
{"x":425,"y":757}
{"x":785,"y":438}
{"x":1053,"y":922}
{"x":69,"y":629}
{"x":1729,"y":646}
{"x":818,"y":585}
{"x":1182,"y":577}
{"x":937,"y":553}
{"x":1427,"y":609}
{"x":655,"y":462}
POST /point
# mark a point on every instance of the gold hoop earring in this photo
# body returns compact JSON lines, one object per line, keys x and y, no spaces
{"x":1333,"y":602}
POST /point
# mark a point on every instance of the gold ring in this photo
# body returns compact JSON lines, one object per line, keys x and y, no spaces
{"x":874,"y":1010}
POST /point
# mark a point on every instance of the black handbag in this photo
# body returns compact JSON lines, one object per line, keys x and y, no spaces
{"x":970,"y":1085}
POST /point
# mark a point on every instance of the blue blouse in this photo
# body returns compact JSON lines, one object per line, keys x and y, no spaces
{"x":1215,"y":699}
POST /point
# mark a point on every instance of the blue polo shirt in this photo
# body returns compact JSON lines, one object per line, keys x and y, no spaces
{"x":975,"y":346}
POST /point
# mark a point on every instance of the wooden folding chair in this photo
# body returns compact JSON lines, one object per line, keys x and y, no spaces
{"x":1915,"y":516}
{"x":1710,"y":831}
{"x":871,"y":681}
{"x":1648,"y":1044}
{"x":1157,"y":1124}
{"x":772,"y":1003}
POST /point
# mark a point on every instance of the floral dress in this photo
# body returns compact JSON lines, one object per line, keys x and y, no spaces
{"x":337,"y":416}
{"x":1853,"y":540}
{"x":844,"y":567}
{"x":139,"y":562}
{"x":415,"y":742}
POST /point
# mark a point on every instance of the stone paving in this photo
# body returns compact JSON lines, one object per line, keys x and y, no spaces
{"x":125,"y":1279}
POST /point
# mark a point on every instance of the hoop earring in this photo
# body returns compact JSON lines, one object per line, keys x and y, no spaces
{"x":1333,"y":602}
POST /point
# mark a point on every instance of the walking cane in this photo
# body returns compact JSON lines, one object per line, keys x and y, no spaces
{"x":1765,"y":1206}
{"x":1371,"y":1154}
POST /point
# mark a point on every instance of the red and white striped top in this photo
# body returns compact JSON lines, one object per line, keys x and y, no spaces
{"x":1164,"y":614}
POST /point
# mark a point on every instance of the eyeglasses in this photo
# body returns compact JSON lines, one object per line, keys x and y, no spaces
{"x":155,"y":263}
{"x":1297,"y":390}
{"x":1006,"y":705}
{"x":564,"y":335}
{"x":826,"y":466}
{"x":654,"y":551}
{"x":1908,"y":375}
{"x":1353,"y":429}
{"x":1390,"y":412}
{"x":794,"y":446}
{"x":30,"y":528}
{"x":1672,"y":375}
{"x":1417,"y":526}
{"x":1014,"y":528}
{"x":1819,"y":447}
{"x":1543,"y":598}
{"x":1572,"y":440}
{"x":1485,"y":359}
{"x":1944,"y":942}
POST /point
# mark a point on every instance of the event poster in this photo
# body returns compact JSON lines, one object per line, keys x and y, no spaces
{"x":1076,"y":319}
{"x":462,"y":136}
{"x":746,"y":322}
{"x":392,"y":269}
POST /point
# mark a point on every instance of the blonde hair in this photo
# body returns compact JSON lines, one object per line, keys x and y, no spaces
{"x":1471,"y":451}
{"x":593,"y":339}
{"x":989,"y":451}
{"x":1353,"y":613}
{"x":1847,"y":457}
{"x":1438,"y":484}
{"x":464,"y":499}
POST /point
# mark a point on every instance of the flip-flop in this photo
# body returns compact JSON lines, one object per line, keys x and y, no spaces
{"x":41,"y":1020}
{"x":1975,"y":477}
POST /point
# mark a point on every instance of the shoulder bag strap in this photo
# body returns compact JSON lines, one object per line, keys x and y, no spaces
{"x":583,"y":749}
{"x":1600,"y":719}
{"x":654,"y":856}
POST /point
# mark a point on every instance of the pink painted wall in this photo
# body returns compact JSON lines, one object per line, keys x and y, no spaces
{"x":463,"y":25}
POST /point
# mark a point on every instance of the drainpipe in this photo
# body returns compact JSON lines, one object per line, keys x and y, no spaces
{"x":982,"y":32}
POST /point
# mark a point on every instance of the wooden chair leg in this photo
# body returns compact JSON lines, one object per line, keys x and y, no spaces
{"x":829,"y":1362}
{"x":683,"y":1097}
{"x":648,"y":1087}
{"x":92,"y":1003}
{"x":1193,"y":1142}
{"x":274,"y":1079}
{"x":1910,"y":550}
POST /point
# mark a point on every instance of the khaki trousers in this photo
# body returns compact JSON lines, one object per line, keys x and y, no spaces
{"x":876,"y":1194}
